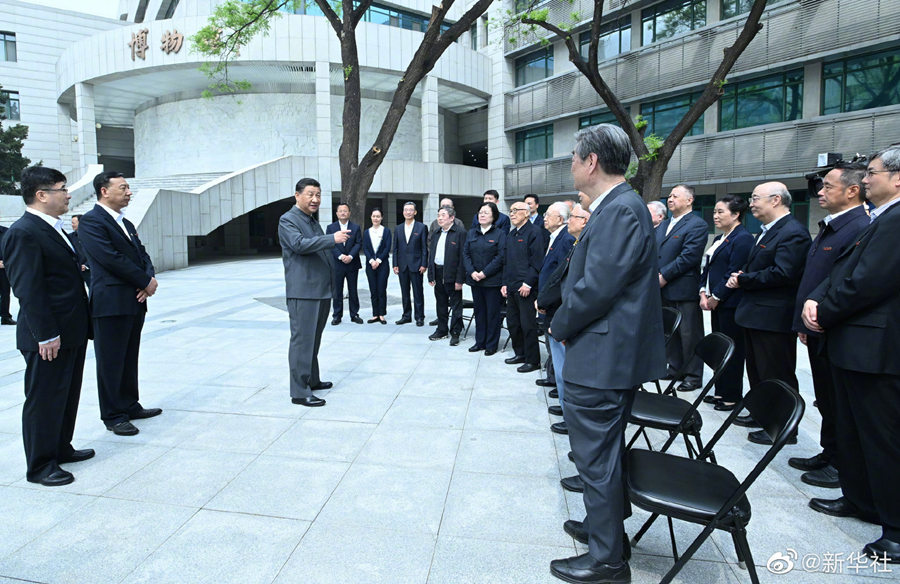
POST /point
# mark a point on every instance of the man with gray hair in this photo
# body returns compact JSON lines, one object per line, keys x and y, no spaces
{"x":447,"y":274}
{"x":611,"y":322}
{"x":657,"y":212}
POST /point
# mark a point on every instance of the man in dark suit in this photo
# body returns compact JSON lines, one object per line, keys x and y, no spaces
{"x":308,"y":277}
{"x":447,"y":274}
{"x":492,"y":196}
{"x":681,"y":240}
{"x":346,"y":265}
{"x":122,"y":278}
{"x":769,"y":281}
{"x":857,"y":308}
{"x":5,"y":316}
{"x":435,"y":225}
{"x":842,"y":195}
{"x":610,"y":320}
{"x":523,"y":257}
{"x":410,"y":260}
{"x":79,"y":249}
{"x":53,"y":328}
{"x":536,"y":218}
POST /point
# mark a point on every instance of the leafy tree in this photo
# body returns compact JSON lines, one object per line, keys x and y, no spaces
{"x":12,"y":163}
{"x":236,"y":22}
{"x":653,"y":152}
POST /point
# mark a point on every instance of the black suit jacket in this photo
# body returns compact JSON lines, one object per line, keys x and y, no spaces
{"x":523,"y":258}
{"x":771,"y":277}
{"x":730,"y":257}
{"x":680,"y":254}
{"x":485,"y":252}
{"x":413,"y":254}
{"x":454,"y":269}
{"x":502,"y":223}
{"x":350,"y":247}
{"x":46,"y":277}
{"x":384,"y":248}
{"x":859,"y":303}
{"x":119,"y":266}
{"x":3,"y":231}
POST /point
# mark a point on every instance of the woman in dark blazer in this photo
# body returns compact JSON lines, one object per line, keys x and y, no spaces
{"x":727,"y":254}
{"x":377,"y":247}
{"x":483,"y":262}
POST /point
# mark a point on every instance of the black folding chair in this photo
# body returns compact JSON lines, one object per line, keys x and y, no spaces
{"x":673,"y":414}
{"x":671,"y":322}
{"x":468,"y":305}
{"x":701,"y":492}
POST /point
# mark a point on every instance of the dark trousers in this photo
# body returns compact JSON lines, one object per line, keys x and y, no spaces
{"x":414,"y":279}
{"x":823,"y":385}
{"x":52,"y":391}
{"x":378,"y":280}
{"x":596,"y":419}
{"x":522,"y":325}
{"x":448,"y":302}
{"x":308,"y":318}
{"x":680,"y":348}
{"x":487,"y":307}
{"x":4,"y":295}
{"x":771,"y":356}
{"x":341,"y":273}
{"x":117,"y":342}
{"x":730,"y":384}
{"x":868,"y":438}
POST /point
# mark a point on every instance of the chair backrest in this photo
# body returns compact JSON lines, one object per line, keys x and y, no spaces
{"x":671,"y":321}
{"x":715,"y":350}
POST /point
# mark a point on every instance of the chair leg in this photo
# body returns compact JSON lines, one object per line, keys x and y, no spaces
{"x":739,"y":552}
{"x":740,"y":540}
{"x":637,"y":536}
{"x":688,"y":554}
{"x":469,"y":324}
{"x":672,"y":538}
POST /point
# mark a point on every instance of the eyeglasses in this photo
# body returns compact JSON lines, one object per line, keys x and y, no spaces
{"x":756,"y":198}
{"x":578,"y":217}
{"x":519,"y":210}
{"x":870,"y":172}
{"x":62,"y":190}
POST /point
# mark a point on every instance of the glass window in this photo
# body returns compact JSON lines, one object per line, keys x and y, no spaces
{"x":663,"y":115}
{"x":473,"y":36}
{"x":594,"y":118}
{"x":7,"y":46}
{"x":534,"y":144}
{"x":764,"y":100}
{"x":534,"y":66}
{"x":672,"y":18}
{"x":861,"y":82}
{"x":9,"y":109}
{"x":615,"y":38}
{"x":734,"y":7}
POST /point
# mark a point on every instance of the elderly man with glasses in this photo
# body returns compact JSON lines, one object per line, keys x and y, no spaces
{"x":524,"y":256}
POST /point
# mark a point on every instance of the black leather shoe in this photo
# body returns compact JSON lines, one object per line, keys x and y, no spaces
{"x":760,"y":437}
{"x":746,"y":421}
{"x":571,"y":456}
{"x":436,"y":336}
{"x":433,"y":322}
{"x":555,"y":410}
{"x":584,"y":569}
{"x":840,"y":507}
{"x":335,"y":321}
{"x":454,"y":340}
{"x":545,"y":382}
{"x":559,"y":428}
{"x":144,"y":413}
{"x":883,"y":549}
{"x":475,"y":349}
{"x":420,"y":322}
{"x":321,"y":385}
{"x":723,"y":407}
{"x":356,"y":319}
{"x":824,"y":477}
{"x":554,"y":393}
{"x":527,"y":368}
{"x":10,"y":320}
{"x":489,"y":352}
{"x":57,"y":478}
{"x":77,"y":456}
{"x":711,"y":399}
{"x":688,"y":386}
{"x":123,"y":429}
{"x":404,"y":320}
{"x":310,"y":402}
{"x":514,"y":360}
{"x":812,"y":463}
{"x":576,"y":530}
{"x":373,"y":319}
{"x":572,"y":483}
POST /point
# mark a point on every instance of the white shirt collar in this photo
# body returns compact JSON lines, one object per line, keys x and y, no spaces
{"x":599,"y":199}
{"x":52,"y":221}
{"x":829,"y":218}
{"x":879,"y":210}
{"x":117,"y":215}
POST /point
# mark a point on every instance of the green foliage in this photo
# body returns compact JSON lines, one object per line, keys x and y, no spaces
{"x":653,"y":144}
{"x":12,"y":163}
{"x":640,"y":123}
{"x":538,"y":15}
{"x":347,"y":71}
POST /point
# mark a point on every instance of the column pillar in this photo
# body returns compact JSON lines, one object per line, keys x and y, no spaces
{"x":86,"y":126}
{"x":812,"y":89}
{"x":430,"y":208}
{"x":431,"y":146}
{"x":323,"y":141}
{"x":66,"y":146}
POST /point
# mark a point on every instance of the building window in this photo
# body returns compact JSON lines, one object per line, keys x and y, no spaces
{"x":534,"y":66}
{"x":764,"y":100}
{"x":376,"y":13}
{"x":9,"y":109}
{"x":473,"y":36}
{"x":861,"y":82}
{"x":672,"y":18}
{"x":594,"y":118}
{"x":734,"y":7}
{"x":615,"y":38}
{"x":662,"y":116}
{"x":534,"y":144}
{"x":7,"y":46}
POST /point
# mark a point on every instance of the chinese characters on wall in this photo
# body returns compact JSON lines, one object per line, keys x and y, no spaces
{"x":171,"y":43}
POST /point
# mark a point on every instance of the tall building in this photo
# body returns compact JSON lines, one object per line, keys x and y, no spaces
{"x":212,"y":174}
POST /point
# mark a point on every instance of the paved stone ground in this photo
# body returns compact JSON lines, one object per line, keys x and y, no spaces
{"x":429,"y":464}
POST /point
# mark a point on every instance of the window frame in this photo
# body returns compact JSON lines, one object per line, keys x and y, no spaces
{"x":655,"y":12}
{"x":733,"y":92}
{"x":521,"y":64}
{"x":596,"y":117}
{"x":696,"y":130}
{"x":6,"y":108}
{"x":523,"y":136}
{"x":843,"y":75}
{"x":7,"y":41}
{"x":618,"y":26}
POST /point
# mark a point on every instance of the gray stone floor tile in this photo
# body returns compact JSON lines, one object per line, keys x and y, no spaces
{"x":172,"y":428}
{"x":647,"y":569}
{"x":455,"y":384}
{"x":359,"y":554}
{"x":656,"y":541}
{"x":510,"y":416}
{"x":211,"y":398}
{"x":403,"y":499}
{"x":508,"y":453}
{"x":99,"y":543}
{"x":239,"y":433}
{"x":217,"y":548}
{"x":27,"y":513}
{"x":472,"y":561}
{"x":182,"y":477}
{"x":503,"y":388}
{"x":13,"y":456}
{"x":430,"y":412}
{"x":273,"y":401}
{"x":386,"y":364}
{"x":388,"y":384}
{"x":322,"y":440}
{"x":11,"y":419}
{"x":352,"y":407}
{"x":281,"y":487}
{"x":411,"y":447}
{"x":506,"y":508}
